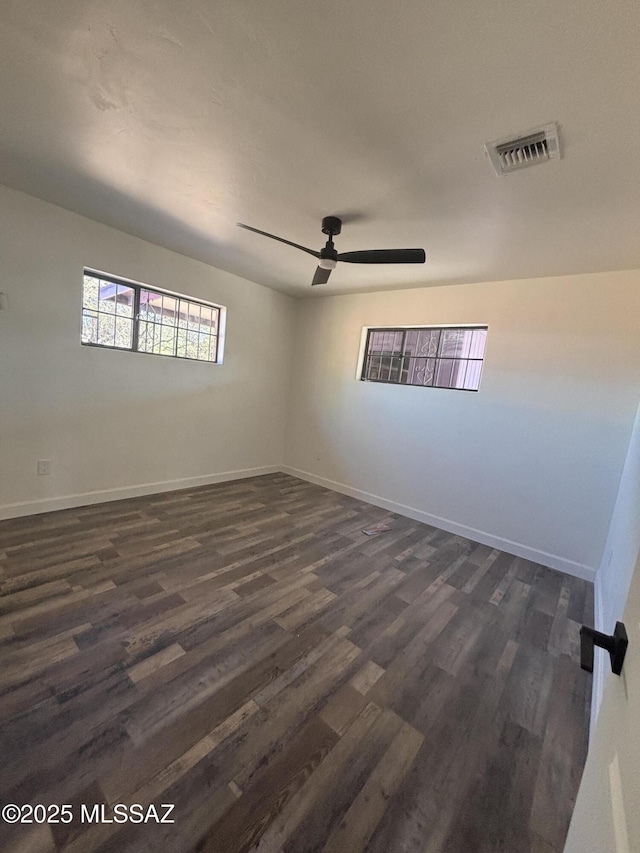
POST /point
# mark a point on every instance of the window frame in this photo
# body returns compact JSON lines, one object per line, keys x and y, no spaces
{"x":367,"y":331}
{"x":137,"y":288}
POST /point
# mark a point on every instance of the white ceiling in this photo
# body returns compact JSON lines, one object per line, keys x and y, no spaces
{"x":174,"y":120}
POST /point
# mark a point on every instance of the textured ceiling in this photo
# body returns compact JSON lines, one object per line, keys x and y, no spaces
{"x":174,"y":120}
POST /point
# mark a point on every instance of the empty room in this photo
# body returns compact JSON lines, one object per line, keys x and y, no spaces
{"x":319,"y":427}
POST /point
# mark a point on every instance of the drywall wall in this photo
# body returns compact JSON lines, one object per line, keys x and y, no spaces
{"x":532,"y":462}
{"x":623,"y":541}
{"x":606,"y":818}
{"x":619,"y":559}
{"x":115,"y":423}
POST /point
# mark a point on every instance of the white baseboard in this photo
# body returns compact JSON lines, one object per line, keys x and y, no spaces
{"x":552,"y":561}
{"x":16,"y":510}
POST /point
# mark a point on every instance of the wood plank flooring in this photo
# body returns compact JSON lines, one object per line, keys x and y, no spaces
{"x":245,"y":652}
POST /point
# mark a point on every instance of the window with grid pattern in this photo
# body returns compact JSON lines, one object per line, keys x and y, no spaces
{"x":122,"y":315}
{"x":433,"y":357}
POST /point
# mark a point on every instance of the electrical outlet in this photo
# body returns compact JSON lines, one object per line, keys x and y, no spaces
{"x":44,"y":467}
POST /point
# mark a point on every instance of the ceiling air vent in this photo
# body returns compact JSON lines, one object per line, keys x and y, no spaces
{"x":536,"y":146}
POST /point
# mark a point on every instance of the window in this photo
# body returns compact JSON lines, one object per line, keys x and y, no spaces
{"x":434,"y":357}
{"x":122,"y":315}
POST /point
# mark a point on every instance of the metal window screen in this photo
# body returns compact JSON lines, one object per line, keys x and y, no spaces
{"x":433,"y":357}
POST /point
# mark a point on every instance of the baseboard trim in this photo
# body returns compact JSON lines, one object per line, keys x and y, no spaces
{"x":17,"y":510}
{"x":552,"y":561}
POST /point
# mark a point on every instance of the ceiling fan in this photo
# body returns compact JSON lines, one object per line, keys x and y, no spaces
{"x":328,"y":257}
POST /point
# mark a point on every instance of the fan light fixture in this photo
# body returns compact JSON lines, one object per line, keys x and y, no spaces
{"x":327,"y":263}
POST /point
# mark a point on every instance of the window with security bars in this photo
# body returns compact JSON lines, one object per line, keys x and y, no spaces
{"x":122,"y":315}
{"x":432,"y":357}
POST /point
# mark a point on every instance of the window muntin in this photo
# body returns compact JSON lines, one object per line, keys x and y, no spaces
{"x":432,"y":357}
{"x":123,"y":315}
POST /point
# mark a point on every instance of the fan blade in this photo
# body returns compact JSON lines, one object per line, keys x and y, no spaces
{"x":385,"y":256}
{"x":321,"y":276}
{"x":280,"y":240}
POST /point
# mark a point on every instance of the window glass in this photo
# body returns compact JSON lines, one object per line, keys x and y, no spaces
{"x":434,"y":357}
{"x":129,"y":316}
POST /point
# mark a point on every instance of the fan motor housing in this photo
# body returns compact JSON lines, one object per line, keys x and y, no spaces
{"x":329,"y":254}
{"x":331,"y":225}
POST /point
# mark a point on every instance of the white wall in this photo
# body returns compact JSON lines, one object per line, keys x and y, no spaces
{"x":123,"y":421}
{"x":623,"y":541}
{"x":619,"y":559}
{"x":532,"y":462}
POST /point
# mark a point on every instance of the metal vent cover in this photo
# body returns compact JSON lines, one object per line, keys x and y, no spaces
{"x":527,"y":149}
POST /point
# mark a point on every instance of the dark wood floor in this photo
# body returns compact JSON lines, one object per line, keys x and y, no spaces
{"x":245,"y":652}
